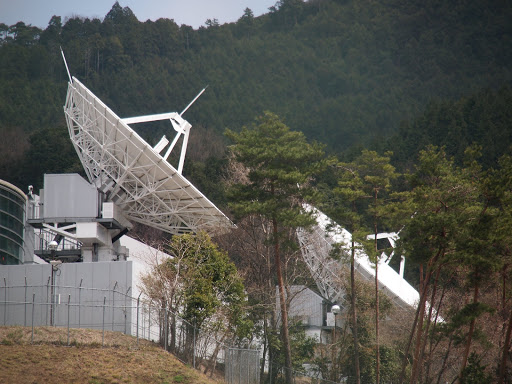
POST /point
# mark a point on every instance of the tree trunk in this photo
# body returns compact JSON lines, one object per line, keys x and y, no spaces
{"x":377,"y":309}
{"x":377,"y":313}
{"x":504,"y":287}
{"x":162,"y":329}
{"x":264,"y":354}
{"x":284,"y":312}
{"x":172,"y":345}
{"x":445,"y":361}
{"x":423,"y":296}
{"x":427,"y":327}
{"x":506,"y":347}
{"x":433,"y":343}
{"x":354,"y":314}
{"x":419,"y":329}
{"x":272,"y":366}
{"x":471,"y":330}
{"x":189,"y":349}
{"x":212,"y":364}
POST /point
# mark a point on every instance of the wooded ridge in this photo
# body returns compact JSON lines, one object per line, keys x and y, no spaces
{"x":345,"y":73}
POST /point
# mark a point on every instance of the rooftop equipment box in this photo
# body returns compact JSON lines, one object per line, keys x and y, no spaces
{"x":69,"y":196}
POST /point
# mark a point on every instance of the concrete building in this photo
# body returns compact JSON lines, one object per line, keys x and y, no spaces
{"x":65,"y":247}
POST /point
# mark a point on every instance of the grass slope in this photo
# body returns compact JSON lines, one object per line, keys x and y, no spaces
{"x":50,"y":360}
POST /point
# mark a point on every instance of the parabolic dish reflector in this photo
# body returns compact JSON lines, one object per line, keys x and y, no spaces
{"x":131,"y":173}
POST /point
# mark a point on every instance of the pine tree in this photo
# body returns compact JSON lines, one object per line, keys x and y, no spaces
{"x":280,"y":166}
{"x":443,"y":201}
{"x":368,"y":178}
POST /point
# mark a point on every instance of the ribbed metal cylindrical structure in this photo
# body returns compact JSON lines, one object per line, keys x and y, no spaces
{"x":12,"y":221}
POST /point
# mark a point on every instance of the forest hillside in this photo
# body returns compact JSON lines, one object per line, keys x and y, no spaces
{"x":346,"y":73}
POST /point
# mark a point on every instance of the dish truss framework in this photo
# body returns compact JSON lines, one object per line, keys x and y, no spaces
{"x":316,"y":246}
{"x":131,"y":173}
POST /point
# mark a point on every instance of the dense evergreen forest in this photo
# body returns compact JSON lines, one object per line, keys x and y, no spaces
{"x":347,"y":73}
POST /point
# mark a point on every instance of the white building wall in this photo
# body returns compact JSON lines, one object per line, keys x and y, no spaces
{"x":26,"y":294}
{"x":87,"y":285}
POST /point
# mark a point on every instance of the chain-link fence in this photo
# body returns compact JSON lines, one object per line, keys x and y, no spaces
{"x":74,"y":307}
{"x":117,"y":310}
{"x":242,"y":366}
{"x":310,"y":374}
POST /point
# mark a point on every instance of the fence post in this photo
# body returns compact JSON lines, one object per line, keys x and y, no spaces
{"x":47,"y":295}
{"x":126,"y":311}
{"x":25,"y":301}
{"x":52,"y":296}
{"x":239,"y":365}
{"x":5,"y":301}
{"x":79,"y":301}
{"x":227,"y":364}
{"x":69,"y":306}
{"x":143,"y":322}
{"x":113,"y":303}
{"x":138,"y":303}
{"x":103,"y":322}
{"x":33,"y":306}
{"x":149,"y":322}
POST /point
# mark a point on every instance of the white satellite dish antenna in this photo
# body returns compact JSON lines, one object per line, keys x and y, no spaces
{"x":131,"y":173}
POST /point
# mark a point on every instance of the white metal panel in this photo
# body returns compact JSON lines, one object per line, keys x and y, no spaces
{"x":63,"y":191}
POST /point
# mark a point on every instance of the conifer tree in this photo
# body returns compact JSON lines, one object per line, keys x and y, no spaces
{"x":280,"y":165}
{"x":442,"y":203}
{"x":377,"y":175}
{"x":350,"y":191}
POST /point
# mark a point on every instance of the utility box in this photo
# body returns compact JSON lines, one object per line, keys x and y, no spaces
{"x":92,"y":233}
{"x":69,"y":196}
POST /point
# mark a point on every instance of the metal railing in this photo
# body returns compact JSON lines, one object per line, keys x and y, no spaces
{"x":43,"y":237}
